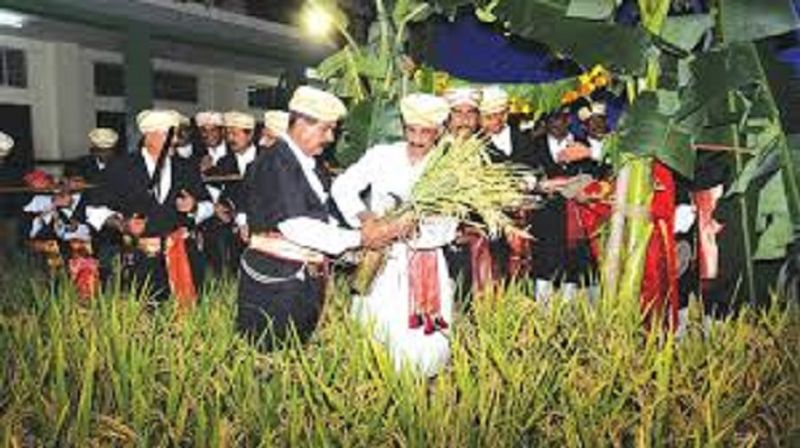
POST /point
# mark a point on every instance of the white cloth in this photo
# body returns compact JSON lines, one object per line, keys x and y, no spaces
{"x":42,"y":206}
{"x":596,"y":148}
{"x":245,"y":158}
{"x":391,"y":175}
{"x":324,"y":236}
{"x":502,"y":141}
{"x":165,"y":181}
{"x":556,"y":146}
{"x":217,"y":152}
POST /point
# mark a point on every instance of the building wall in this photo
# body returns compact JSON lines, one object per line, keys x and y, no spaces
{"x":63,"y":104}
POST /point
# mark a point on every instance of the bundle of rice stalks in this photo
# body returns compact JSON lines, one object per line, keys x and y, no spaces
{"x":459,"y":181}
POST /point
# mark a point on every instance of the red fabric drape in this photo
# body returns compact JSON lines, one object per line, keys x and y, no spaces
{"x":179,"y":269}
{"x":659,"y":295}
{"x":424,"y":301}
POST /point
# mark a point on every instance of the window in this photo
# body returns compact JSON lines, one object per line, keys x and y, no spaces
{"x":175,"y":87}
{"x":266,"y":97}
{"x":109,"y":79}
{"x":13,"y":68}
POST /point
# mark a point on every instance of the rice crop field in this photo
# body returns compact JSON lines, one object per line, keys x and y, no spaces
{"x":115,"y":372}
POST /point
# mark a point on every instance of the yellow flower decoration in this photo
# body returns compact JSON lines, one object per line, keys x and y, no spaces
{"x":569,"y":97}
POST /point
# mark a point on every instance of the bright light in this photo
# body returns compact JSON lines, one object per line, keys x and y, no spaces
{"x":317,"y":22}
{"x":11,"y":19}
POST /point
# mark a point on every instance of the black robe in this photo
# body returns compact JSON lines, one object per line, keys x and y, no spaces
{"x":280,"y":191}
{"x":551,"y":259}
{"x":125,"y":190}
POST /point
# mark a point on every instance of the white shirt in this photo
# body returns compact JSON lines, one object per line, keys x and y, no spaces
{"x":596,"y":147}
{"x":556,"y":146}
{"x":42,"y":206}
{"x":243,"y":160}
{"x":165,"y":182}
{"x":502,"y":140}
{"x":96,"y":216}
{"x":217,"y":152}
{"x":391,"y":174}
{"x":324,"y":236}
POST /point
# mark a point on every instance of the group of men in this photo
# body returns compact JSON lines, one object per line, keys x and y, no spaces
{"x":262,"y":206}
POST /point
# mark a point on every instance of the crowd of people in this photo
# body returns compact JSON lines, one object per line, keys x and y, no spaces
{"x":207,"y":196}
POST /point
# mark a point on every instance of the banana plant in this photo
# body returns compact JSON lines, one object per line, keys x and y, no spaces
{"x":372,"y":76}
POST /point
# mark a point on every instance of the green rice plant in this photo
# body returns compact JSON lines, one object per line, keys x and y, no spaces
{"x":116,"y":372}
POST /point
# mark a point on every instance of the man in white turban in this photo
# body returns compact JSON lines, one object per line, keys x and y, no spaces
{"x":464,"y":114}
{"x":409,"y":317}
{"x":155,"y":199}
{"x":276,"y":123}
{"x":282,"y":276}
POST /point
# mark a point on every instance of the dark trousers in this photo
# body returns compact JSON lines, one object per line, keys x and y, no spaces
{"x":220,"y":246}
{"x":552,"y":258}
{"x":268,"y":312}
{"x":140,"y":269}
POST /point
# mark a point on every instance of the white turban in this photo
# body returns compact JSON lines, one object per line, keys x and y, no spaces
{"x":422,"y":109}
{"x":6,"y":145}
{"x":153,"y":120}
{"x":463,"y":96}
{"x":495,"y":100}
{"x":276,"y":121}
{"x":235,"y":119}
{"x":103,"y":138}
{"x":208,"y":118}
{"x":317,"y":104}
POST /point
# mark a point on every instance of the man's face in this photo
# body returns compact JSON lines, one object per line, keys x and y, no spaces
{"x":464,"y":119}
{"x":313,"y":136}
{"x":268,"y":137}
{"x":211,"y":135}
{"x":597,"y":126}
{"x":493,"y":123}
{"x":154,"y":141}
{"x":421,"y":139}
{"x":558,"y":125}
{"x":238,"y":138}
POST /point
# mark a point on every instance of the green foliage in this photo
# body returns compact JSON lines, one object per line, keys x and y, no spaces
{"x":648,"y":131}
{"x":116,"y":373}
{"x":747,"y":21}
{"x":592,"y":9}
{"x":587,"y":42}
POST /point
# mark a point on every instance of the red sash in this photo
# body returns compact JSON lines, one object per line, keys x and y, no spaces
{"x":659,"y":296}
{"x":424,"y":302}
{"x":179,"y":269}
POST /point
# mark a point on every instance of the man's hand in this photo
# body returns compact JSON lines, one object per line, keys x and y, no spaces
{"x":377,"y":232}
{"x":185,"y":203}
{"x":574,"y":153}
{"x":206,"y":163}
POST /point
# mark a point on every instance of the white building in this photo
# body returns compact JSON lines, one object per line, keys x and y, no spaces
{"x":67,"y":66}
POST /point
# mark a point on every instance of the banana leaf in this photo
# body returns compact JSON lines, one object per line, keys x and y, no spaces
{"x":685,"y":32}
{"x":749,"y":20}
{"x":592,"y":9}
{"x":645,"y":130}
{"x":369,"y":122}
{"x":588,"y":42}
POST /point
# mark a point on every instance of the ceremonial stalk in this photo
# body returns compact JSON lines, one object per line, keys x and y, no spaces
{"x":460,"y":182}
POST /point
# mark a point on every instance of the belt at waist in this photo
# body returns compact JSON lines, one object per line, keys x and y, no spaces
{"x":277,"y":246}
